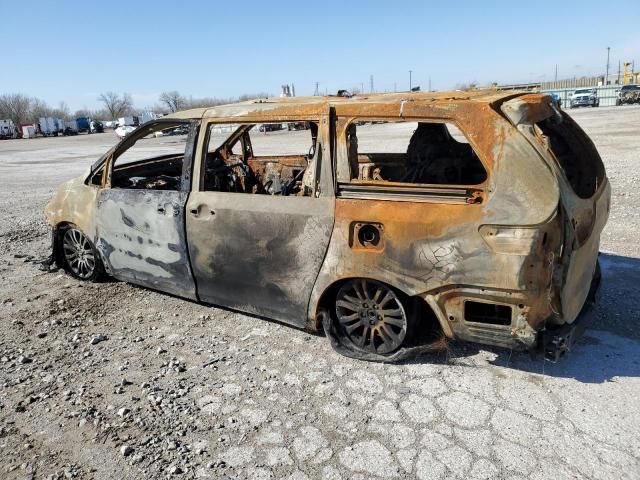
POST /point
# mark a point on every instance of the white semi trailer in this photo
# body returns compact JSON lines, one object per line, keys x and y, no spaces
{"x":50,"y":126}
{"x":130,"y":121}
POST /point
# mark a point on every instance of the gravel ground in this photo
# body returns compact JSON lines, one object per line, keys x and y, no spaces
{"x":113,"y":381}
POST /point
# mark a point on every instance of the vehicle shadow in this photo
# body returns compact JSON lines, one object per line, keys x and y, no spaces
{"x":609,"y":348}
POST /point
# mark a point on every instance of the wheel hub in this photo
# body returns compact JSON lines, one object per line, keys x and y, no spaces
{"x":78,"y":253}
{"x":371,"y":316}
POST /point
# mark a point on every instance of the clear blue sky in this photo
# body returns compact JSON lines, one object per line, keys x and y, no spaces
{"x":71,"y":51}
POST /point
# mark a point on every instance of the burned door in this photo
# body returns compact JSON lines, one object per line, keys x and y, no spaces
{"x":140,"y":213}
{"x":259,"y":227}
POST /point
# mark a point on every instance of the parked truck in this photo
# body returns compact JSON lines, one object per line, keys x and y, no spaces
{"x":83,"y":124}
{"x":147,"y":116}
{"x":49,"y":126}
{"x":130,"y":121}
{"x":97,"y":126}
{"x":87,"y":124}
{"x":28,"y":130}
{"x":7,"y":129}
{"x":70,"y":127}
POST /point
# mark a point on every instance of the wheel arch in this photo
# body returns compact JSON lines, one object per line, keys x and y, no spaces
{"x":323,"y":306}
{"x":58,"y":230}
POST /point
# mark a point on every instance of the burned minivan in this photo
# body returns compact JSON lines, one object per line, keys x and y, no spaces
{"x":392,"y":222}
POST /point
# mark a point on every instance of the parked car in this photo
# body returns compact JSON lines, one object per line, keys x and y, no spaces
{"x":584,"y":97}
{"x":465,"y":226}
{"x":556,"y":99}
{"x":270,"y":127}
{"x":96,"y":126}
{"x":298,"y":126}
{"x":628,"y":94}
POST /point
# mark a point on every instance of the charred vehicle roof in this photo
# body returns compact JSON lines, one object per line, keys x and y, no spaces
{"x":393,"y":222}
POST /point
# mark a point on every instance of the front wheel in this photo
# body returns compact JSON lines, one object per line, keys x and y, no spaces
{"x":370,"y":318}
{"x":80,"y":258}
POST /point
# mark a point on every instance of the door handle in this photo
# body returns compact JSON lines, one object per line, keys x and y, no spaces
{"x":171,"y":209}
{"x":202,"y":209}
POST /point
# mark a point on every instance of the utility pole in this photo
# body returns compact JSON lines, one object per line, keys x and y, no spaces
{"x":555,"y":78}
{"x":410,"y":79}
{"x":618,"y":72}
{"x":371,"y":83}
{"x":317,"y":91}
{"x":606,"y":75}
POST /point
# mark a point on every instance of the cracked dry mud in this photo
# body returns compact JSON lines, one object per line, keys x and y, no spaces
{"x":113,"y":381}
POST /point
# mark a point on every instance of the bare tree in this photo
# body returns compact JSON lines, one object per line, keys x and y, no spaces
{"x":63,"y":110}
{"x":83,"y":112}
{"x":115,"y":104}
{"x":466,"y":86}
{"x":126,"y":105}
{"x":16,"y":107}
{"x":169,"y":103}
{"x":251,"y":96}
{"x":111,"y":102}
{"x":173,"y":100}
{"x":38,"y":109}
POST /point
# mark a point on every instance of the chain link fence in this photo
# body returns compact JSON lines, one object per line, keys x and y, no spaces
{"x":606,"y":95}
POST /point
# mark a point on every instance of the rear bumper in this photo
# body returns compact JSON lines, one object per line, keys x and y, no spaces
{"x":557,"y":341}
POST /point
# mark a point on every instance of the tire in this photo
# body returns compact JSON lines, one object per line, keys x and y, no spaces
{"x":79,"y":256}
{"x":372,"y":320}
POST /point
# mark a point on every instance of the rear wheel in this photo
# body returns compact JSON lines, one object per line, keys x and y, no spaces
{"x":79,"y":256}
{"x":371,"y":317}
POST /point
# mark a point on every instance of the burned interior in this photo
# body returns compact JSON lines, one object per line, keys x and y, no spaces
{"x":238,"y":165}
{"x":133,"y":168}
{"x":432,"y":155}
{"x":574,"y":152}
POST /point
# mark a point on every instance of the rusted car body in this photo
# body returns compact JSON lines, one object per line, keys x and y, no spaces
{"x":492,"y":240}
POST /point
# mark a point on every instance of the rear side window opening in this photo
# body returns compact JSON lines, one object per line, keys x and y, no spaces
{"x":574,"y":152}
{"x":413,"y":153}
